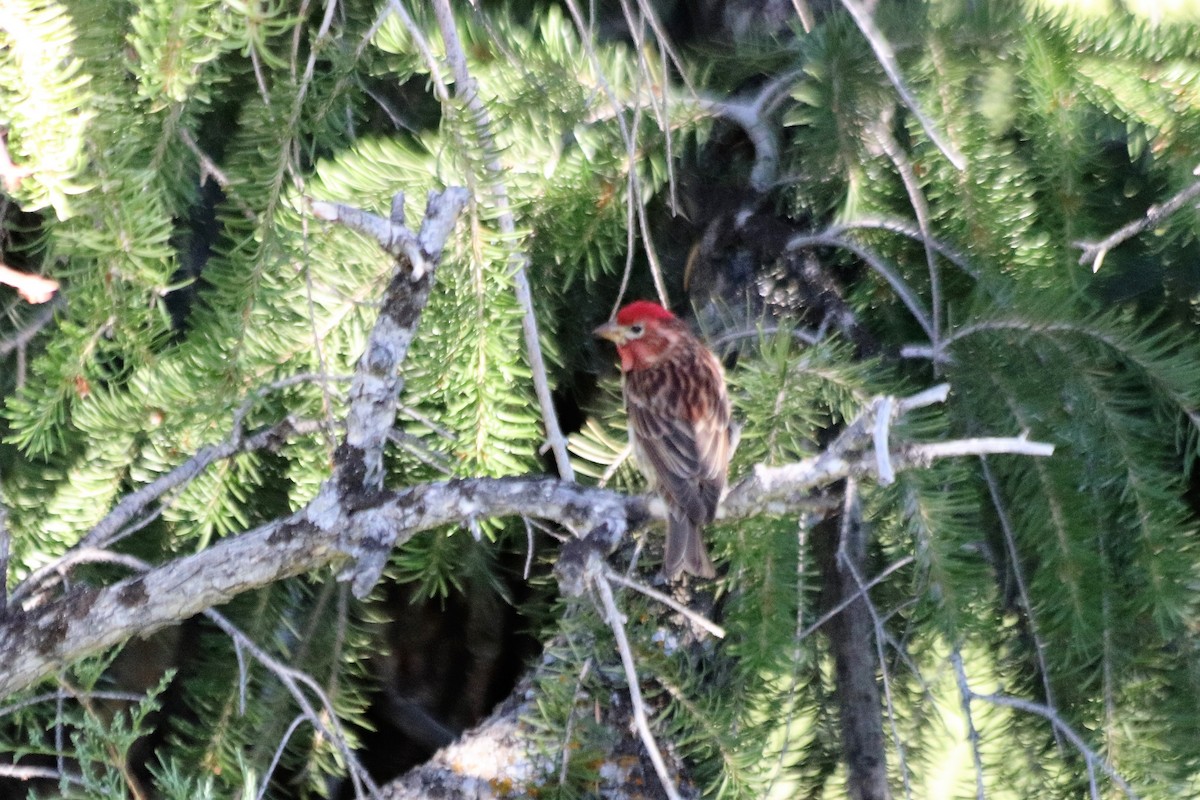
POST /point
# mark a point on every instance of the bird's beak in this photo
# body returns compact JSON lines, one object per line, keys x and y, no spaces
{"x":612,"y":331}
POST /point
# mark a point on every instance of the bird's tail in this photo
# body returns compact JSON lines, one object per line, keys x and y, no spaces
{"x":685,"y":549}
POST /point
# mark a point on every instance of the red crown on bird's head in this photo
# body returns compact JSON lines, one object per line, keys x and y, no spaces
{"x":642,"y":310}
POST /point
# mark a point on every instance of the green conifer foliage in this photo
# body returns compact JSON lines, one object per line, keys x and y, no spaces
{"x":172,"y":151}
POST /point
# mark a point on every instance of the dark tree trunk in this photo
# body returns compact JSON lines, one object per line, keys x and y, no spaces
{"x":852,"y":639}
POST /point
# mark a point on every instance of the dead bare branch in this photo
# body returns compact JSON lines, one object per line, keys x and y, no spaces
{"x":1094,"y":252}
{"x":35,"y":289}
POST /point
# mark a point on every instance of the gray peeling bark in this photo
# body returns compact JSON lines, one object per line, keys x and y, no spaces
{"x":37,"y":640}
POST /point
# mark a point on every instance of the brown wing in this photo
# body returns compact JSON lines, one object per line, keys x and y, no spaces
{"x":679,"y":417}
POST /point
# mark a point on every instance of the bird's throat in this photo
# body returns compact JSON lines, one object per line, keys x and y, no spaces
{"x":643,"y":353}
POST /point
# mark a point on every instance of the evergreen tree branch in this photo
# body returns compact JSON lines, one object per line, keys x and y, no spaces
{"x":117,"y":756}
{"x":61,"y":695}
{"x":1014,"y":559}
{"x":657,"y":101}
{"x":832,"y":238}
{"x":753,"y":117}
{"x":466,"y":90}
{"x":615,"y":620}
{"x":1092,"y":758}
{"x":345,"y":521}
{"x":905,"y":228}
{"x":374,"y":392}
{"x":1094,"y":252}
{"x":209,"y":169}
{"x":292,"y":727}
{"x":858,"y":592}
{"x":668,"y":601}
{"x":102,"y":535}
{"x":887,"y":60}
{"x":326,"y":721}
{"x":568,"y":729}
{"x":635,"y":211}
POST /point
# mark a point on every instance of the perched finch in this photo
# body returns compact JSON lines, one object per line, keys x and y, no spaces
{"x":678,"y":421}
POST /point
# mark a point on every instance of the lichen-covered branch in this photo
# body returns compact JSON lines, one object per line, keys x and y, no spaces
{"x":358,"y":461}
{"x":41,"y":636}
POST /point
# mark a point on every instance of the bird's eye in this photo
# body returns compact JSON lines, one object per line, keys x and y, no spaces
{"x":636,"y":330}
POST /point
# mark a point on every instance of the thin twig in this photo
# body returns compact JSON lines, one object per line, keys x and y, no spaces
{"x":528,"y":548}
{"x":807,"y":20}
{"x":569,"y":728}
{"x":805,"y":335}
{"x":295,"y":681}
{"x":73,"y":557}
{"x":885,"y":473}
{"x":440,"y":90}
{"x":270,"y":770}
{"x":701,"y":620}
{"x":263,"y":92}
{"x":612,"y":468}
{"x":209,"y":168}
{"x":978,"y":446}
{"x":416,"y":447}
{"x":904,"y":228}
{"x":1014,"y":560}
{"x":887,"y":60}
{"x":587,"y":36}
{"x":1096,"y":251}
{"x":656,"y":268}
{"x":964,"y":691}
{"x":466,"y":90}
{"x":133,"y":503}
{"x":615,"y":621}
{"x":916,"y":198}
{"x":932,"y":396}
{"x":876,"y":263}
{"x":664,"y":41}
{"x":1050,"y":715}
{"x":33,"y":773}
{"x":61,"y":694}
{"x":657,"y":100}
{"x":858,"y":592}
{"x":25,"y":335}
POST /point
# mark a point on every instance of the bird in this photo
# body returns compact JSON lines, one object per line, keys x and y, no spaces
{"x":680,"y":423}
